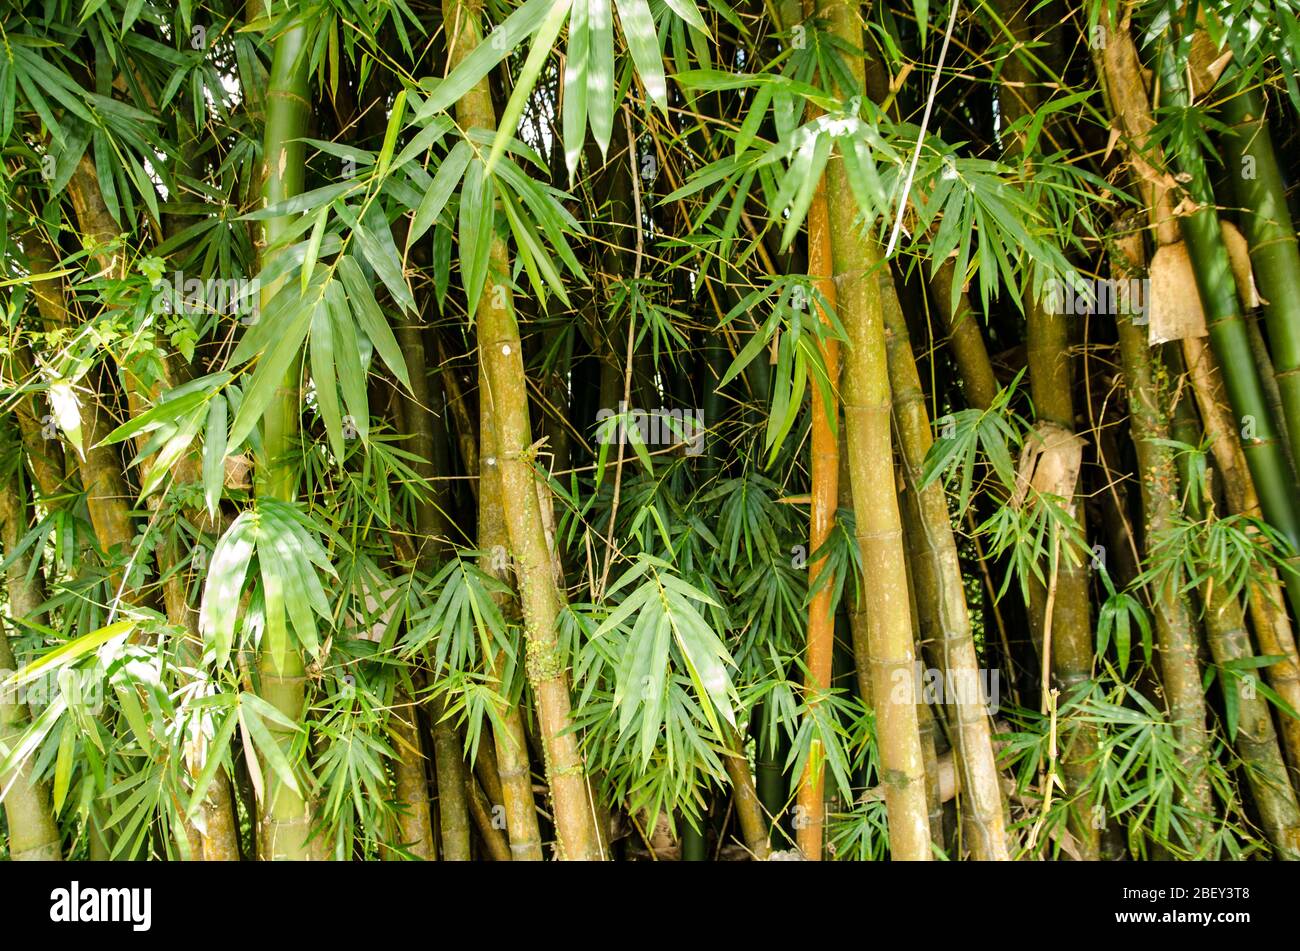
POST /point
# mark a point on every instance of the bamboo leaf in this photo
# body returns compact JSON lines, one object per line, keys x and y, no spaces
{"x":538,"y":54}
{"x":486,"y":55}
{"x":313,"y":246}
{"x":63,"y":765}
{"x":600,"y":72}
{"x":225,"y":583}
{"x":476,"y":232}
{"x":214,"y":454}
{"x":67,"y":653}
{"x":643,"y":44}
{"x":265,"y":744}
{"x":576,"y":90}
{"x":371,"y":319}
{"x":435,"y":199}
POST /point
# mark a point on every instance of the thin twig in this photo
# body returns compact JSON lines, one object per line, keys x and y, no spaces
{"x":631,"y":339}
{"x":925,"y":121}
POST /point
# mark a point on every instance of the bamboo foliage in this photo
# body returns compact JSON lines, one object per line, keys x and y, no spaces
{"x":614,"y":429}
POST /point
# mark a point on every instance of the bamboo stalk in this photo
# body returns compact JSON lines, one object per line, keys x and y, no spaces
{"x":944,"y":617}
{"x":33,"y":827}
{"x":869,"y":447}
{"x":769,"y":778}
{"x":820,"y":650}
{"x":453,"y":795}
{"x":1266,"y":223}
{"x":485,"y":770}
{"x":965,"y":340}
{"x":926,"y":721}
{"x":480,"y":807}
{"x":431,"y":525}
{"x":514,"y":766}
{"x":1256,"y":741}
{"x":1268,"y":380}
{"x":287,"y":815}
{"x":100,"y":468}
{"x":45,"y":457}
{"x":1146,"y":381}
{"x":749,"y":808}
{"x":501,"y":354}
{"x":410,"y":781}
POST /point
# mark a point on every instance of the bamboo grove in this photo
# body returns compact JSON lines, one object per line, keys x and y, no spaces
{"x":516,"y":430}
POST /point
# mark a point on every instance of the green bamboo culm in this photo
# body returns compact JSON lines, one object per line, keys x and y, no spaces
{"x":286,"y":823}
{"x":1146,"y":380}
{"x":1260,"y":192}
{"x":1255,"y":739}
{"x":1274,"y":254}
{"x":1228,"y":337}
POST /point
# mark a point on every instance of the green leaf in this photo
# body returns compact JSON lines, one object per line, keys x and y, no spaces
{"x":390,"y":134}
{"x":347,"y":361}
{"x":164,"y":411}
{"x":376,"y":242}
{"x":601,"y":94}
{"x":63,"y":765}
{"x":67,"y":413}
{"x":65,"y":654}
{"x":371,"y":319}
{"x":215,"y":757}
{"x":250,"y":710}
{"x":225,"y":584}
{"x":538,"y":54}
{"x":313,"y":246}
{"x":643,"y":44}
{"x":495,"y":47}
{"x":475,"y":232}
{"x":214,"y":453}
{"x":270,"y":372}
{"x":435,"y":199}
{"x":306,"y":201}
{"x":576,"y":65}
{"x":690,"y":13}
{"x":322,"y":371}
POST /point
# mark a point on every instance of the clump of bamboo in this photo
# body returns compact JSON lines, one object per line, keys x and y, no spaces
{"x":1218,"y":293}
